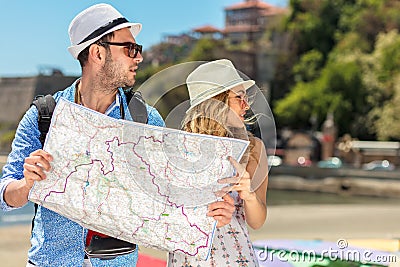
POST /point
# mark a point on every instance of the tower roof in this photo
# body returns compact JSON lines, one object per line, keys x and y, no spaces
{"x":268,"y":9}
{"x":206,"y":29}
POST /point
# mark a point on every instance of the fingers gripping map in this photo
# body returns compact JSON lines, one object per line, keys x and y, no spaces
{"x":144,"y":184}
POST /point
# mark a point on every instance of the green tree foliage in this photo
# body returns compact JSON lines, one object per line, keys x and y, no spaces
{"x":313,"y":24}
{"x":345,"y":56}
{"x":205,"y":50}
{"x":382,"y":81}
{"x":7,"y":133}
{"x":308,"y":67}
{"x":147,"y":72}
{"x":326,"y":94}
{"x":169,"y":54}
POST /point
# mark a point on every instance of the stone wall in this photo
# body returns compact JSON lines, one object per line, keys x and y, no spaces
{"x":16,"y":97}
{"x":17,"y":93}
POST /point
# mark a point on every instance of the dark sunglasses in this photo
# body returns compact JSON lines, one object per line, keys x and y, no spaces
{"x":133,"y":49}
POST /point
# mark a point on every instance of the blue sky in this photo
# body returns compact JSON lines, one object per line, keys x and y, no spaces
{"x":35,"y":33}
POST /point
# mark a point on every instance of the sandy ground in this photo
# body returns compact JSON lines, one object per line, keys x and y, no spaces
{"x":325,"y":222}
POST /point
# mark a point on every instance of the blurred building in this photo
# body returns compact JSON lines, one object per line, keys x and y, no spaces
{"x":178,"y":39}
{"x":244,"y":22}
{"x":248,"y":20}
{"x":249,"y":31}
{"x":207,"y":31}
{"x":357,"y":153}
{"x":329,"y":137}
{"x":301,"y":148}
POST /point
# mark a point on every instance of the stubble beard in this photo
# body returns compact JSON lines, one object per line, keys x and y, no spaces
{"x":113,"y":76}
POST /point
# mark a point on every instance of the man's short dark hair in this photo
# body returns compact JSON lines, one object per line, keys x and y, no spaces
{"x":83,"y":56}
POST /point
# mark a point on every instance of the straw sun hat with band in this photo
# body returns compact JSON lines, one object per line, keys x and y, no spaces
{"x":95,"y":22}
{"x":211,"y":79}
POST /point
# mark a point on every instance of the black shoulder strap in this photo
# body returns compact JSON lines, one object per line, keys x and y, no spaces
{"x":136,"y":105}
{"x":45,"y":106}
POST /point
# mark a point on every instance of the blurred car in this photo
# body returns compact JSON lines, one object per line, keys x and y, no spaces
{"x":378,"y":165}
{"x":305,"y":162}
{"x":274,"y":160}
{"x":332,"y":162}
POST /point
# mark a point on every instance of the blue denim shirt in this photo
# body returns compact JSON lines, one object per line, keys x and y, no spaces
{"x":56,"y":240}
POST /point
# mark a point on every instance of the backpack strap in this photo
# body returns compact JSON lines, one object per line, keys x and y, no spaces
{"x":45,"y":106}
{"x":136,"y":105}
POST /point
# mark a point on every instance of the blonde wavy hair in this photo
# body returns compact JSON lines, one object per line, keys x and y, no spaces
{"x":209,"y":117}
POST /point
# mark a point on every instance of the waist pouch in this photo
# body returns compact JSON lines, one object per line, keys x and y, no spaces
{"x":107,"y":248}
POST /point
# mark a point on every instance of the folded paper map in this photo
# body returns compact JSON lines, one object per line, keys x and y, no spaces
{"x":144,"y":184}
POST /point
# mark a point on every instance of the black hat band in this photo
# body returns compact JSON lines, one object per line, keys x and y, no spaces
{"x":104,"y":28}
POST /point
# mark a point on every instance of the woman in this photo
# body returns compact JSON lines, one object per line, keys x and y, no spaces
{"x":218,"y":103}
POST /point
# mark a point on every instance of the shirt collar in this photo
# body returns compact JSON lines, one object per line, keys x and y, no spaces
{"x":115,"y":104}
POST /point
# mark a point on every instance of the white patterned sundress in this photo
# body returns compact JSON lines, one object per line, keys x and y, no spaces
{"x":231,"y":245}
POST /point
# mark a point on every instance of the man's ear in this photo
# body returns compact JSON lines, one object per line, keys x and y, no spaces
{"x":97,"y":53}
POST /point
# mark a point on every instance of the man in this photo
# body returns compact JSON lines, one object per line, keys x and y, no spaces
{"x":104,"y":43}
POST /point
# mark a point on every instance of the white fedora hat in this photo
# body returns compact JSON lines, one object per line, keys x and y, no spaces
{"x":93,"y":23}
{"x":211,"y":79}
